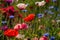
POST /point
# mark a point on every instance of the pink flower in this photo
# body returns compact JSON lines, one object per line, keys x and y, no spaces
{"x":21,"y":26}
{"x":43,"y":38}
{"x":22,"y":6}
{"x":24,"y":26}
{"x":9,"y":1}
{"x":18,"y":27}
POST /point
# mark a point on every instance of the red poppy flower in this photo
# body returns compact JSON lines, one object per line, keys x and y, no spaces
{"x":10,"y":33}
{"x":30,"y":17}
{"x":47,"y":1}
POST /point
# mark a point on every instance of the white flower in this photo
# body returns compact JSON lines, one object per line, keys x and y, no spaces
{"x":42,"y":3}
{"x":22,"y":6}
{"x":20,"y":36}
{"x":17,"y":0}
{"x":57,"y":21}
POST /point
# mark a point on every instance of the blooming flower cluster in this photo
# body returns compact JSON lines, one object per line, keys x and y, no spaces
{"x":21,"y":26}
{"x":26,"y":20}
{"x":30,"y":17}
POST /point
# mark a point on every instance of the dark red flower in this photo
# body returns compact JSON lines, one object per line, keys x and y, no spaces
{"x":30,"y":17}
{"x":31,"y":7}
{"x":47,"y":1}
{"x":2,"y":5}
{"x":11,"y":33}
{"x":9,"y":10}
{"x":24,"y":26}
{"x":20,"y":15}
{"x":4,"y":28}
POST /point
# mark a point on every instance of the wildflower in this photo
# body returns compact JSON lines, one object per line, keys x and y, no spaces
{"x":43,"y":38}
{"x":11,"y":17}
{"x":58,"y":15}
{"x":4,"y":27}
{"x":9,"y":10}
{"x":47,"y":1}
{"x":50,"y":7}
{"x":50,"y":12}
{"x":30,"y":17}
{"x":17,"y":27}
{"x":9,"y":1}
{"x":22,"y":6}
{"x":3,"y":22}
{"x":46,"y":34}
{"x":21,"y":26}
{"x":20,"y":36}
{"x":10,"y":33}
{"x":54,"y":0}
{"x":42,"y":3}
{"x":20,"y":15}
{"x":40,"y":15}
{"x":46,"y":11}
{"x":24,"y":26}
{"x":58,"y":21}
{"x":52,"y":38}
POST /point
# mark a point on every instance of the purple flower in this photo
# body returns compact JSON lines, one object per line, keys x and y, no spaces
{"x":50,"y":7}
{"x":4,"y":27}
{"x":11,"y":17}
{"x":40,"y":15}
{"x":46,"y":34}
{"x":9,"y":1}
{"x":3,"y":22}
{"x":58,"y":15}
{"x":46,"y":10}
{"x":52,"y":38}
{"x":54,"y":0}
{"x":50,"y":12}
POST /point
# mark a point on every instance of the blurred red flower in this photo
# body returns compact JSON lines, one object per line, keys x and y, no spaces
{"x":30,"y":17}
{"x":20,"y":15}
{"x":11,"y":33}
{"x":2,"y":5}
{"x":10,"y":10}
{"x":47,"y":1}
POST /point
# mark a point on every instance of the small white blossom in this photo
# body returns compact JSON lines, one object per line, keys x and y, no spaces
{"x":21,"y":5}
{"x":42,"y":3}
{"x":20,"y":36}
{"x":57,"y":21}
